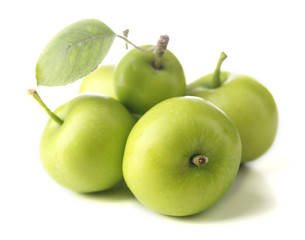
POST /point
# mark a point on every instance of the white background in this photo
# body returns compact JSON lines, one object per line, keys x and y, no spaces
{"x":263,"y":39}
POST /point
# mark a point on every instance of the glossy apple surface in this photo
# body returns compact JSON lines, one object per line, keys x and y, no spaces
{"x":85,"y":153}
{"x":249,"y":105}
{"x":158,"y":164}
{"x":100,"y":81}
{"x":139,"y":85}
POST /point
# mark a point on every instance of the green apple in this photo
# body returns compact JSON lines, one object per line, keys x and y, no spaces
{"x":140,"y":84}
{"x":100,"y":81}
{"x":181,"y":156}
{"x":83,"y":143}
{"x":247,"y":102}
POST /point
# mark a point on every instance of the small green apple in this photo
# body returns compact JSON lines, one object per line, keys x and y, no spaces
{"x":247,"y":102}
{"x":140,"y":83}
{"x":83,"y":143}
{"x":100,"y":81}
{"x":181,"y":156}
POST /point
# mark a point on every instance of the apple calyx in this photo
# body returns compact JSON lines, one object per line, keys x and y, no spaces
{"x":216,"y":75}
{"x":159,"y":50}
{"x":38,"y":99}
{"x":199,"y":160}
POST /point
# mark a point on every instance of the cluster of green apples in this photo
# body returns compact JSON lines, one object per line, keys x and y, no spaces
{"x":177,"y":146}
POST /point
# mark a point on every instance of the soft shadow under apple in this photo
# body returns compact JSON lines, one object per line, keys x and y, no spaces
{"x":248,"y":196}
{"x":118,"y":193}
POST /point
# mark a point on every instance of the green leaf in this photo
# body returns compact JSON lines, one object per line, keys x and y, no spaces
{"x":74,"y":52}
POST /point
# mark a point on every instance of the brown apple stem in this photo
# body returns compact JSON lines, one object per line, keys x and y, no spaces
{"x":159,"y":50}
{"x":199,"y":160}
{"x":216,"y":75}
{"x":38,"y":99}
{"x":125,"y":33}
{"x":135,"y":46}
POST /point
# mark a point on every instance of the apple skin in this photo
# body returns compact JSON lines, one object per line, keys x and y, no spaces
{"x":139,"y":85}
{"x":100,"y":81}
{"x":85,"y":153}
{"x":249,"y":105}
{"x":157,"y":163}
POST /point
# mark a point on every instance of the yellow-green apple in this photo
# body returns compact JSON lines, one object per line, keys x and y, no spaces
{"x":100,"y":81}
{"x":140,"y":82}
{"x":181,"y":156}
{"x":83,"y":142}
{"x":247,"y":102}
